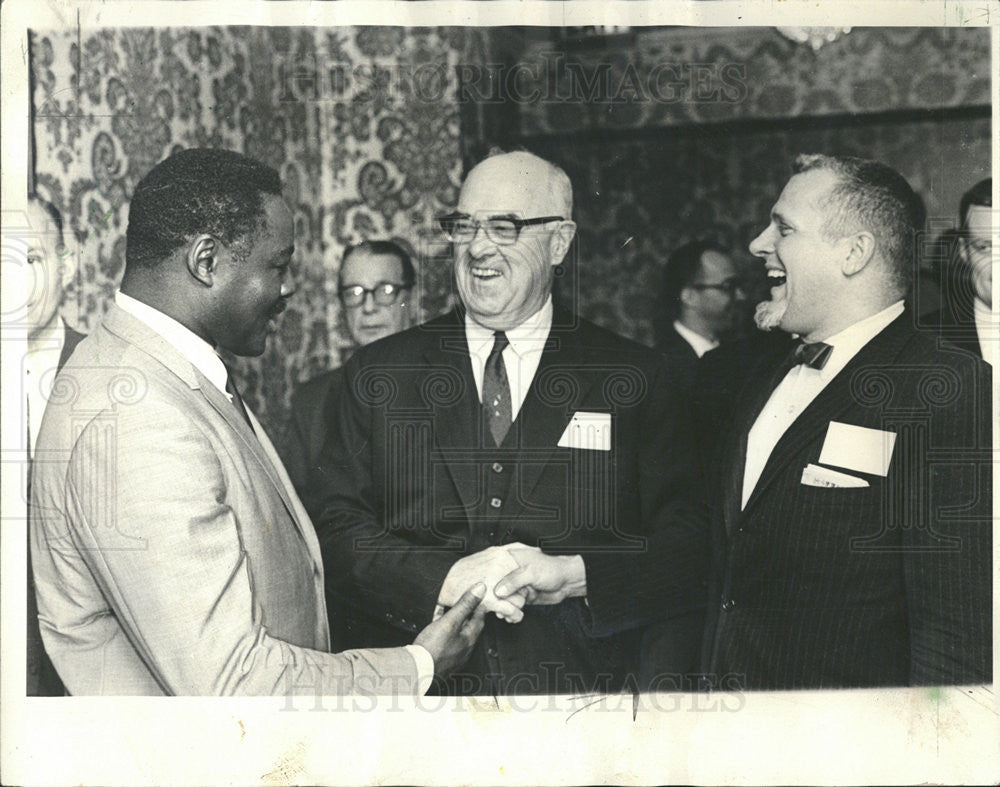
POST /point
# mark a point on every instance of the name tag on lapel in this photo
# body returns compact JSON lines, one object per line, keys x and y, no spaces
{"x":589,"y":431}
{"x":858,"y":448}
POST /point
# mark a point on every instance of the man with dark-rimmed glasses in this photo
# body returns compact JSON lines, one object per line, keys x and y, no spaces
{"x":513,"y":442}
{"x":373,"y":286}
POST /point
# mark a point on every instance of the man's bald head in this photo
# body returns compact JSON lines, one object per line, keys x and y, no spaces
{"x":531,"y":182}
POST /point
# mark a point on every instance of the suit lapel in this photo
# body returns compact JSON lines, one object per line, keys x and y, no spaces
{"x":455,"y":418}
{"x":836,"y":398}
{"x":144,"y":338}
{"x":755,"y":394}
{"x":560,"y":383}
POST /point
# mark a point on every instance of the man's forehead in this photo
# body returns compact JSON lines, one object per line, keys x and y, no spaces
{"x":714,"y":261}
{"x":505,"y":186}
{"x":362,"y":261}
{"x":979,"y":219}
{"x":806,"y":189}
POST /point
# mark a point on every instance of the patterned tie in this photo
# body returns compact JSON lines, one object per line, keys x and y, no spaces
{"x":233,"y":391}
{"x":496,"y":390}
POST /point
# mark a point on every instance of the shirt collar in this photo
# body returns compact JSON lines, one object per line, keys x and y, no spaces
{"x":195,"y":349}
{"x":699,"y":343}
{"x":526,"y":337}
{"x":848,"y":342}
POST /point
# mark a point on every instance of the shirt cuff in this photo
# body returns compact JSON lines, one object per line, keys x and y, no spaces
{"x":425,"y":667}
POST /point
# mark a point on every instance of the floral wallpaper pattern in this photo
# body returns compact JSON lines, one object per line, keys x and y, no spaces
{"x":678,"y":76}
{"x":362,"y":123}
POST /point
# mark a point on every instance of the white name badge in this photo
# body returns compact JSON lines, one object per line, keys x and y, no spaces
{"x":589,"y":431}
{"x":858,"y":448}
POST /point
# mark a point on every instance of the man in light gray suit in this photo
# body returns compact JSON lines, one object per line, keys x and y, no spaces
{"x":171,"y":553}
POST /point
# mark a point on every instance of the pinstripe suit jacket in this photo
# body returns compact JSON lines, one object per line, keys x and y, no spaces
{"x":884,"y":585}
{"x":170,"y":553}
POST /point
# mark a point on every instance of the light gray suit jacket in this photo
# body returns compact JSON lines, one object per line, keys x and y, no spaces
{"x":170,"y":551}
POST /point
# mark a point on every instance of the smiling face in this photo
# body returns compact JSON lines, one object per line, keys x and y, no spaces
{"x":252,"y":292}
{"x":370,"y":321}
{"x":803,"y":266}
{"x":977,"y":248}
{"x":502,"y":285}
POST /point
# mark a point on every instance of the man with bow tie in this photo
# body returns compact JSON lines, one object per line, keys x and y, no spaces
{"x":851,"y":503}
{"x":513,"y":442}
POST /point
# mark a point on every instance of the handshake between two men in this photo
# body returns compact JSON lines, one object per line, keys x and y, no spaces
{"x":501,"y":580}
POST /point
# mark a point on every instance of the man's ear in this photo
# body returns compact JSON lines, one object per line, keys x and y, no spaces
{"x":203,"y":258}
{"x":687,"y":295}
{"x":860,"y":249}
{"x":560,"y":240}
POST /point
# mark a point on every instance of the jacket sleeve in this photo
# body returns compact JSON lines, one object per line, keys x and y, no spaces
{"x":668,"y":577}
{"x":947,"y":530}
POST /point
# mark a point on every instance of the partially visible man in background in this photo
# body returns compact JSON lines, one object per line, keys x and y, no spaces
{"x":50,"y":343}
{"x":966,"y":317}
{"x":702,"y":295}
{"x":374,"y":285}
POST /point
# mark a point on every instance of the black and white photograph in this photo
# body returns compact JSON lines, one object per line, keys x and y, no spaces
{"x":499,"y":393}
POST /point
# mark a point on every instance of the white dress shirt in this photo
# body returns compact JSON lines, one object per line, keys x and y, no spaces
{"x":207,"y":361}
{"x":520,"y":357}
{"x":699,"y":343}
{"x":798,"y":389}
{"x":41,"y":363}
{"x":987,"y":329}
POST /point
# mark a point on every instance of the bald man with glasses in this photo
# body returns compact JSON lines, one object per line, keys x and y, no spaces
{"x":513,"y":442}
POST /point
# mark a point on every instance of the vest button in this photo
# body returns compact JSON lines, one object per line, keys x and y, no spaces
{"x":496,"y":502}
{"x":497,"y":467}
{"x":728,"y":605}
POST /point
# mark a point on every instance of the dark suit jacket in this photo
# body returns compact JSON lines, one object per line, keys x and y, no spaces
{"x":42,"y":678}
{"x":957,"y":326}
{"x":306,"y":430}
{"x":848,"y":587}
{"x":407,"y":480}
{"x":682,"y":360}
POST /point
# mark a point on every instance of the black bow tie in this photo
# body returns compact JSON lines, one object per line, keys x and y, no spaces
{"x":813,"y":354}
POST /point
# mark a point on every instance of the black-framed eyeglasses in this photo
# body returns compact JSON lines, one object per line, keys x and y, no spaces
{"x":502,"y":230}
{"x":385,"y":293}
{"x":729,"y":286}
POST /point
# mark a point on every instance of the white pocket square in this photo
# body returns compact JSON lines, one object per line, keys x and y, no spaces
{"x":589,"y":431}
{"x":814,"y":475}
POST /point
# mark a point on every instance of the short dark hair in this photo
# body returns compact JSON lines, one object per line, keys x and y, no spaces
{"x":194,"y":191}
{"x":384,"y":247}
{"x":51,"y":210}
{"x":683,"y":267}
{"x":875,"y":197}
{"x":981,"y":194}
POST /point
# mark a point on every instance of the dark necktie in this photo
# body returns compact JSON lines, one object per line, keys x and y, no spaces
{"x":496,"y":390}
{"x":233,"y":391}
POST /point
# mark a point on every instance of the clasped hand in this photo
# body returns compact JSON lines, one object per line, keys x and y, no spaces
{"x":515,"y":575}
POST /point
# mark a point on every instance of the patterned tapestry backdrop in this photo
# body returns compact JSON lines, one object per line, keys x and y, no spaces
{"x":362,"y":123}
